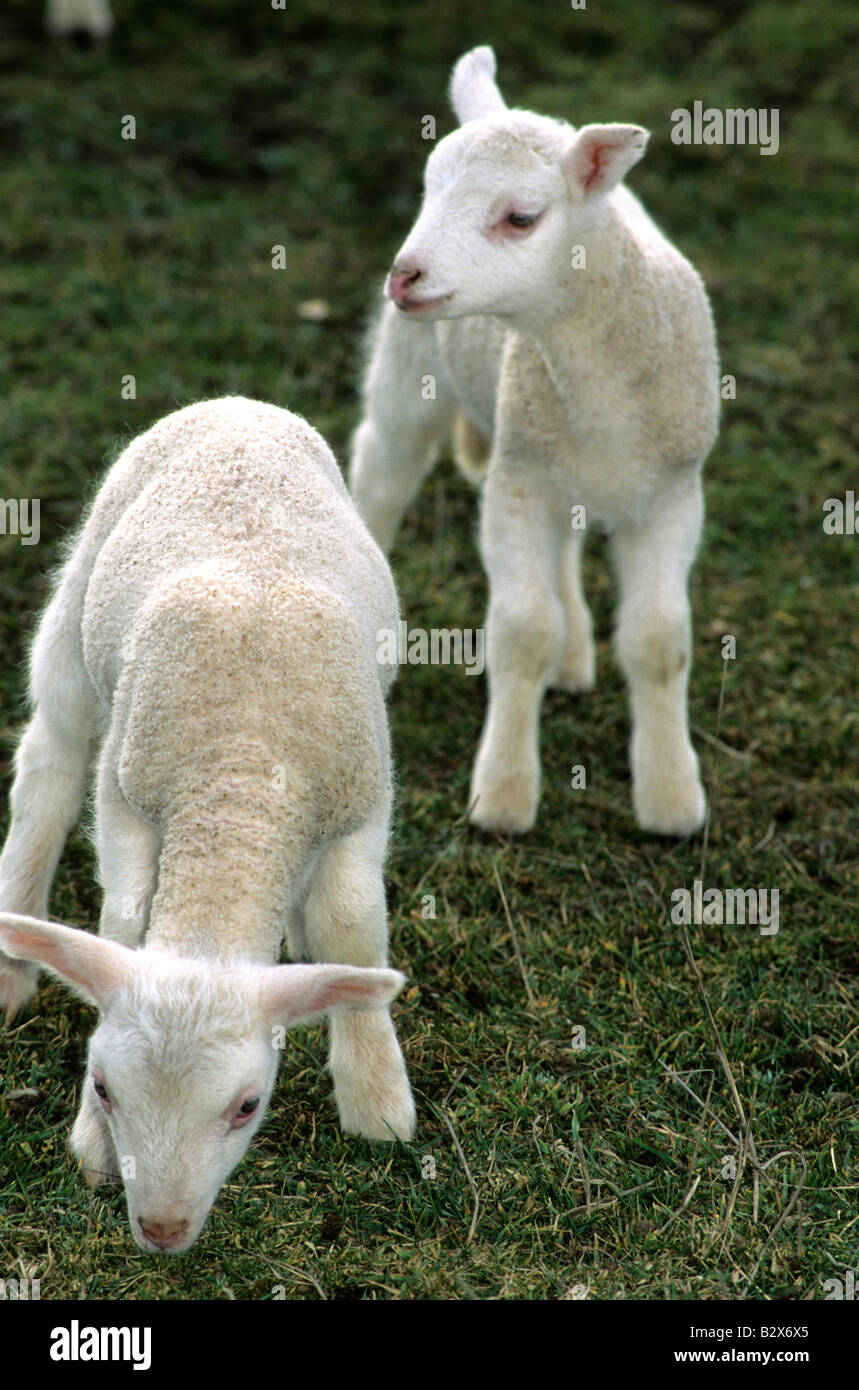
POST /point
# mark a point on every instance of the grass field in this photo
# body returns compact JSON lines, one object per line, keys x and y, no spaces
{"x":594,"y":1168}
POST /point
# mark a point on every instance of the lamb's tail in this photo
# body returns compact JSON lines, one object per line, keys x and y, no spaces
{"x":471,"y":448}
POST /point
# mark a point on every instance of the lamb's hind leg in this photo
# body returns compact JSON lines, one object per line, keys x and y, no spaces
{"x":654,"y":643}
{"x":576,"y":671}
{"x":346,"y":922}
{"x":407,"y":414}
{"x":51,"y":768}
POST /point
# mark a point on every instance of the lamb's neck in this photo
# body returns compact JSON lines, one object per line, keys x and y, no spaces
{"x":228,"y":870}
{"x":584,"y":291}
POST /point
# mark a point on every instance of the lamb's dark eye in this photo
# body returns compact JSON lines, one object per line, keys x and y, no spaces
{"x":249,"y":1106}
{"x":522,"y":219}
{"x":100,"y":1089}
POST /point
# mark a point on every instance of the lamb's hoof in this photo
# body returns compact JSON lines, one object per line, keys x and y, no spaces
{"x":18,"y":980}
{"x":387,"y":1117}
{"x":577,"y":672}
{"x":82,"y":22}
{"x":507,"y":803}
{"x":672,"y":810}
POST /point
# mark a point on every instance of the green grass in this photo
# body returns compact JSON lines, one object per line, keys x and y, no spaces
{"x":302,"y":128}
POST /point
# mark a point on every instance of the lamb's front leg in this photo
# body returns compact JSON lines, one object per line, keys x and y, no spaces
{"x":521,"y":539}
{"x":346,"y":922}
{"x":45,"y":801}
{"x":653,"y":642}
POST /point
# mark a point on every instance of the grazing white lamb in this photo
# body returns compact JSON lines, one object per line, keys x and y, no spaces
{"x":211,"y":648}
{"x":535,"y":305}
{"x":90,"y":17}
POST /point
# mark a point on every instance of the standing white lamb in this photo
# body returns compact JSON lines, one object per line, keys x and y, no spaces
{"x":554,"y":320}
{"x":211,"y":647}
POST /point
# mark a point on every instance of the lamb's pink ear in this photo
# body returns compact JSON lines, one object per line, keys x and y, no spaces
{"x":598,"y":156}
{"x":473,"y":92}
{"x":292,"y":993}
{"x":94,"y":967}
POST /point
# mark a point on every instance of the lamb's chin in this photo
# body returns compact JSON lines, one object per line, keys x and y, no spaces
{"x":436,"y":307}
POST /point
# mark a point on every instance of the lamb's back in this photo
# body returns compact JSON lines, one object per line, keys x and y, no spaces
{"x":225,"y":483}
{"x":237,"y":692}
{"x":230,"y":618}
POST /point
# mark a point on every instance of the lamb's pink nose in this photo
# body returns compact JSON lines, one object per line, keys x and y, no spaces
{"x":401,"y":279}
{"x":163,"y":1233}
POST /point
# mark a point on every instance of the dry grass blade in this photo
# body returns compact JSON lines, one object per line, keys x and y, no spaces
{"x":529,"y":992}
{"x":467,"y":1171}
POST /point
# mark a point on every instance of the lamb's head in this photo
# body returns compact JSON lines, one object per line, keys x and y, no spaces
{"x":182,"y":1063}
{"x":506,"y":198}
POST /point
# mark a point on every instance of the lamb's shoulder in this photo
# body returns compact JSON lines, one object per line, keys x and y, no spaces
{"x":630,"y":376}
{"x":600,"y":418}
{"x":659,"y":290}
{"x":130,"y":474}
{"x":663,"y":340}
{"x":172,"y":449}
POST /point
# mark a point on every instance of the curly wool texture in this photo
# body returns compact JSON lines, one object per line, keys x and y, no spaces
{"x":229,"y":598}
